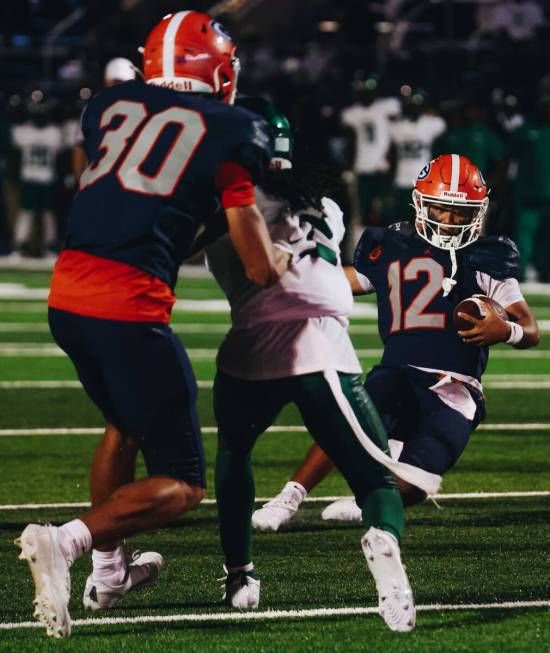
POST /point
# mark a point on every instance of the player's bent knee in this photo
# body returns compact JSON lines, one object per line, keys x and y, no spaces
{"x":196,"y":495}
{"x":186,"y":496}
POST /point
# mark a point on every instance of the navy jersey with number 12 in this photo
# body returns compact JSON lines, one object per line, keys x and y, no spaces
{"x":415,"y":320}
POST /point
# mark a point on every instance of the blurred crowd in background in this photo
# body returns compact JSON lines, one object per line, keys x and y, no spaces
{"x":372,"y":90}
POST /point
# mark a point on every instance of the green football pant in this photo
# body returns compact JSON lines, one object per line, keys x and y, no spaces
{"x":245,"y":409}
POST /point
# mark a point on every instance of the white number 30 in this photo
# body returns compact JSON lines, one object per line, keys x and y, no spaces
{"x":134,"y":115}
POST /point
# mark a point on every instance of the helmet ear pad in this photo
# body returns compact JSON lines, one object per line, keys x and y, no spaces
{"x":188,"y":51}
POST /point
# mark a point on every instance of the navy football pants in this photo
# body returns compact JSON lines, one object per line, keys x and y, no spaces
{"x":139,"y":376}
{"x":434,"y":434}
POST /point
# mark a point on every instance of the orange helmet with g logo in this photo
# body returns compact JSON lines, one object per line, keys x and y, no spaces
{"x":188,"y":51}
{"x":453,"y":183}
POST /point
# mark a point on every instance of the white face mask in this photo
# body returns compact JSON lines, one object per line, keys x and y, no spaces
{"x":443,"y":235}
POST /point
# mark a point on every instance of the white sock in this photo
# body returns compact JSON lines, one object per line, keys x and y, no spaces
{"x":109,"y":566}
{"x":75,"y":539}
{"x":294,"y":485}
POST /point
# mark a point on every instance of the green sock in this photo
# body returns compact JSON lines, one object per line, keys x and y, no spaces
{"x":383,"y":508}
{"x":235,"y":495}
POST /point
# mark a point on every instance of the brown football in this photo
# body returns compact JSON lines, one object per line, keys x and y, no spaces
{"x":474,"y":306}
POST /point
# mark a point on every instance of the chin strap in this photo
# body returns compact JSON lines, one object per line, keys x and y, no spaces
{"x":449,"y":282}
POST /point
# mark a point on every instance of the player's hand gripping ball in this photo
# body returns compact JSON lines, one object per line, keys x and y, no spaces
{"x":481,"y":321}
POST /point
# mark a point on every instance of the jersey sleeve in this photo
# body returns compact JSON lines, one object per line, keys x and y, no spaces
{"x":347,"y":117}
{"x":497,"y":256}
{"x":438,"y":126}
{"x":16,"y":135}
{"x":235,"y":185}
{"x":365,"y":255}
{"x":503,"y":291}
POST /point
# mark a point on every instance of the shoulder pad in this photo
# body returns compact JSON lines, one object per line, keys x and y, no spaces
{"x":497,"y":256}
{"x":406,"y":228}
{"x":369,"y":241}
{"x":253,"y":148}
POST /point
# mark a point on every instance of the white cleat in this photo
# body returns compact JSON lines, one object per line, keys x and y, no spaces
{"x":280,"y":510}
{"x":395,"y":598}
{"x":343,"y":509}
{"x":41,"y":548}
{"x":241,"y":590}
{"x":142,"y":571}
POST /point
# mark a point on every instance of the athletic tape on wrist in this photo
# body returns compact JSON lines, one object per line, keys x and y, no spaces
{"x":516,"y":333}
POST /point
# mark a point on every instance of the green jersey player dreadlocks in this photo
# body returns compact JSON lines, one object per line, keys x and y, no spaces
{"x":289,"y":344}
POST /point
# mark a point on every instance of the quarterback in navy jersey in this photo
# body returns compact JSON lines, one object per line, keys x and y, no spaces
{"x":427,"y":387}
{"x":164,"y":155}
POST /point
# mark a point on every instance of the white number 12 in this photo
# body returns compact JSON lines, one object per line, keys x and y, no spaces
{"x":414,"y":316}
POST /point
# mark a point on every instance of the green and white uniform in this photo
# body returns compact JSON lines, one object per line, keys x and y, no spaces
{"x":39,"y":147}
{"x":289,"y":344}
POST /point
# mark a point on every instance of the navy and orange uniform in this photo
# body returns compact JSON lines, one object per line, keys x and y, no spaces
{"x":421,"y":345}
{"x":415,"y":319}
{"x":161,"y":164}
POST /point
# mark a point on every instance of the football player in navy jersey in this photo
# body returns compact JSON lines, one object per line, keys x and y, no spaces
{"x":427,"y":387}
{"x":164,"y":155}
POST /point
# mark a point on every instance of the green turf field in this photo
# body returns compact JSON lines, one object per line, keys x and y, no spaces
{"x":480,"y":566}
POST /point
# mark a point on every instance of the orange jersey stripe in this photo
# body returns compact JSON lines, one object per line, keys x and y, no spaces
{"x":99,"y":287}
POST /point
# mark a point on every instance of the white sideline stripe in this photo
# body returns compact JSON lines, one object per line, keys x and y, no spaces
{"x":541,"y":384}
{"x":92,"y":430}
{"x":326,"y":499}
{"x":277,"y":614}
{"x":23,"y":349}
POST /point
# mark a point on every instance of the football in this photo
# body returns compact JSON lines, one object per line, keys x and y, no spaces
{"x":475,"y":307}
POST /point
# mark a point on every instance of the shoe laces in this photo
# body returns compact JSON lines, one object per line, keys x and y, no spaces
{"x":135,"y":555}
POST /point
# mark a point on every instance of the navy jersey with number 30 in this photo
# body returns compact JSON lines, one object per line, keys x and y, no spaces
{"x":415,"y":320}
{"x":154,"y":156}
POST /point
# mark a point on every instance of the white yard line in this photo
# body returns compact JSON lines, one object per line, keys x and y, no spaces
{"x":495,"y":382}
{"x":92,"y":430}
{"x":71,"y":385}
{"x":199,"y":328}
{"x":98,"y":430}
{"x":324,"y":499}
{"x":21,"y":349}
{"x":278,"y":614}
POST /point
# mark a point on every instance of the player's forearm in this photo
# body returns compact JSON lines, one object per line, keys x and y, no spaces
{"x":524,"y":318}
{"x":248,"y":233}
{"x":351,"y":275}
